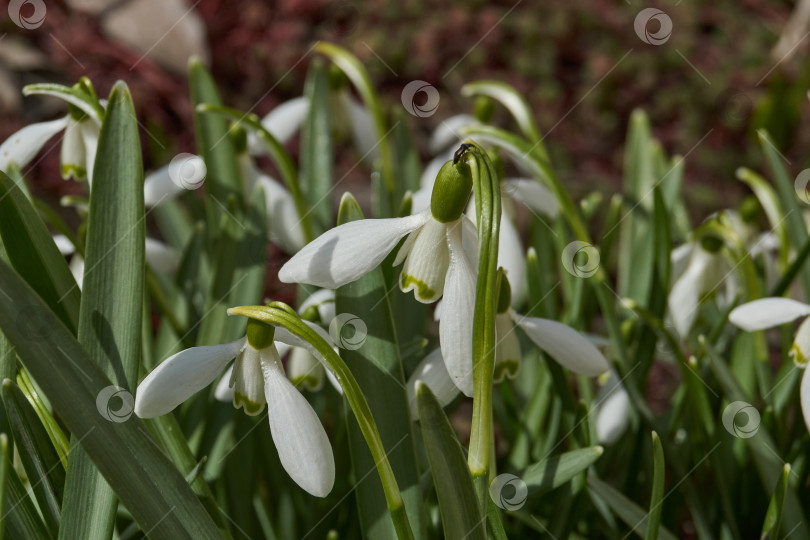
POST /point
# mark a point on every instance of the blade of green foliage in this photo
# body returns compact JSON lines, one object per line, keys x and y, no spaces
{"x":773,"y":518}
{"x":147,"y":483}
{"x":38,"y":457}
{"x":628,"y":511}
{"x":555,"y":471}
{"x":33,"y":253}
{"x":657,"y":496}
{"x":785,"y":187}
{"x":5,"y":470}
{"x":636,"y":244}
{"x":376,"y":366}
{"x":112,"y":297}
{"x":21,"y":519}
{"x":458,"y":502}
{"x":317,"y":154}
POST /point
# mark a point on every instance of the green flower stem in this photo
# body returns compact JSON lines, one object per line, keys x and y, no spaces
{"x":280,"y":157}
{"x":488,"y":209}
{"x":357,"y":74}
{"x":280,"y":314}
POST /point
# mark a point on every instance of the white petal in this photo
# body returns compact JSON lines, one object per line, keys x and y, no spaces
{"x":804,"y":395}
{"x":161,"y":257}
{"x":432,"y":372}
{"x":90,"y":134}
{"x":469,"y":237}
{"x":285,"y":224}
{"x":77,"y":269}
{"x":420,"y":199}
{"x":285,"y":120}
{"x":512,"y":258}
{"x":158,"y":187}
{"x":302,"y":444}
{"x":613,"y":414}
{"x":507,"y":348}
{"x":568,"y":347}
{"x":343,"y":254}
{"x":248,"y":380}
{"x":684,"y":298}
{"x":324,"y":301}
{"x":456,"y":326}
{"x":182,"y":375}
{"x":64,"y":245}
{"x":22,"y":146}
{"x":680,"y":257}
{"x":72,"y":154}
{"x":285,"y":338}
{"x":363,"y":133}
{"x":448,"y":133}
{"x":426,"y":265}
{"x":533,"y":195}
{"x":766,"y":313}
{"x":224,"y":390}
{"x":304,"y":370}
{"x":800,"y":350}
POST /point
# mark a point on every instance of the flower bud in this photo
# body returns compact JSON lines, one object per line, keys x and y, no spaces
{"x":451,"y":191}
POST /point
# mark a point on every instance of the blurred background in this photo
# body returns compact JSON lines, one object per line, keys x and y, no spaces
{"x":725,"y":69}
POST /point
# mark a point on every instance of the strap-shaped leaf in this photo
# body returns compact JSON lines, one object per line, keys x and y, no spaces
{"x":317,"y":154}
{"x":657,"y":496}
{"x":555,"y":471}
{"x":628,"y":511}
{"x":148,"y":484}
{"x":458,"y":502}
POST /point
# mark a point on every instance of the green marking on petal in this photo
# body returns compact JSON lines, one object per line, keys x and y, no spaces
{"x":797,"y":356}
{"x":251,"y":407}
{"x":307,"y":381}
{"x":508,"y":368}
{"x":69,"y":170}
{"x":407,"y":282}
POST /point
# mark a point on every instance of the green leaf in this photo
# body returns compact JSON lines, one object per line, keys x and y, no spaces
{"x":628,"y":511}
{"x":555,"y":471}
{"x":112,"y":298}
{"x":21,"y":520}
{"x":657,"y":496}
{"x":5,"y":470}
{"x":33,"y":253}
{"x":38,"y":457}
{"x":147,"y":483}
{"x":458,"y":502}
{"x":785,"y":187}
{"x":376,"y":366}
{"x":317,"y":154}
{"x":773,"y":518}
{"x":88,"y":103}
{"x":214,"y":143}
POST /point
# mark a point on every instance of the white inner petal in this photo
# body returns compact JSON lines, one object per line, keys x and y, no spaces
{"x":507,"y":348}
{"x":249,"y":380}
{"x":73,"y":156}
{"x":432,"y":372}
{"x":426,"y":264}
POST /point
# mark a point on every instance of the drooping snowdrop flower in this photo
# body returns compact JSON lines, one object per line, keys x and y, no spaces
{"x":435,"y":263}
{"x":158,"y":255}
{"x":526,"y":191}
{"x":769,"y":312}
{"x":612,"y":409}
{"x":258,"y":378}
{"x":81,"y":126}
{"x":569,"y":348}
